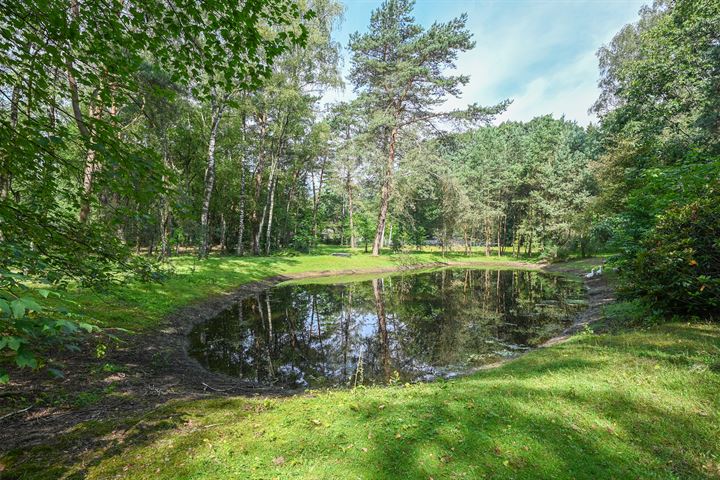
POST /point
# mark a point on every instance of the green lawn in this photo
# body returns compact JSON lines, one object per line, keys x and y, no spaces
{"x":630,"y":404}
{"x":140,"y":306}
{"x":641,"y":404}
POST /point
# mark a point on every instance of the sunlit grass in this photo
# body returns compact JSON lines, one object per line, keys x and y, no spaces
{"x":138,"y":306}
{"x":640,"y":404}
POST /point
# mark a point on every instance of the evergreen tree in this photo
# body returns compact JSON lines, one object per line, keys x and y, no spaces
{"x":399,"y":68}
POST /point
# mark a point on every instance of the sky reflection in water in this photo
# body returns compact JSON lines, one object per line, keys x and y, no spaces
{"x":414,"y":326}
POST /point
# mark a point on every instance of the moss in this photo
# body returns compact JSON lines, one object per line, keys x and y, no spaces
{"x":635,"y":404}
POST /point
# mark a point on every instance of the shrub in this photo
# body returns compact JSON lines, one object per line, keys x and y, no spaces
{"x":677,"y":269}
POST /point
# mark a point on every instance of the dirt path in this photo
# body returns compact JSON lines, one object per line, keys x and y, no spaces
{"x":157,"y":367}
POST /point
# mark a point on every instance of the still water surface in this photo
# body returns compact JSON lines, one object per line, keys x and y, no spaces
{"x":399,"y":328}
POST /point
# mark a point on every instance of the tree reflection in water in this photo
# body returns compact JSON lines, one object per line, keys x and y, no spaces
{"x":414,"y":326}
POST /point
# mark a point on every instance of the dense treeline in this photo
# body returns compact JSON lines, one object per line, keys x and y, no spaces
{"x":116,"y":119}
{"x":659,"y":164}
{"x":518,"y":186}
{"x":136,"y":131}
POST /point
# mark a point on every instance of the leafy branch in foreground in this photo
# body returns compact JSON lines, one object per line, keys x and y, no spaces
{"x":73,"y":165}
{"x":27,"y":323}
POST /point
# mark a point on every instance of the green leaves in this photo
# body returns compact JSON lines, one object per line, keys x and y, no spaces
{"x":25,"y":358}
{"x":18,"y":308}
{"x":677,"y":267}
{"x":29,"y":325}
{"x":5,"y":307}
{"x":401,"y":68}
{"x":10,"y":342}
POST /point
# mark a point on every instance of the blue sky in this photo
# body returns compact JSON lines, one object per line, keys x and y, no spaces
{"x":540,"y":53}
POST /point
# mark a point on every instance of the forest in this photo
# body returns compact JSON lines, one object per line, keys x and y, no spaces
{"x":156,"y":154}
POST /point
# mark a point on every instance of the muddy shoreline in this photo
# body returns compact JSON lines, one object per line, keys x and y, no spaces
{"x":158,"y":368}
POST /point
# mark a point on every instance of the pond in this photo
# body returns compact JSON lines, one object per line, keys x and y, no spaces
{"x":415,"y":326}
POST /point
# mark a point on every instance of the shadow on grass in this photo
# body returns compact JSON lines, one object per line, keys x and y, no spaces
{"x":511,"y":438}
{"x":75,"y":452}
{"x":583,"y":410}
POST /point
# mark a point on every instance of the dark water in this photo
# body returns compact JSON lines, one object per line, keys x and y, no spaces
{"x":416,"y":326}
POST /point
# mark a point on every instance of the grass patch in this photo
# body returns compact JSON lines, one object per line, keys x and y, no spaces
{"x":141,"y":306}
{"x":641,"y":404}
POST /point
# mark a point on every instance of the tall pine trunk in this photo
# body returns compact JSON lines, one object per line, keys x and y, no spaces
{"x":85,"y":131}
{"x":385,"y":194}
{"x":488,"y":237}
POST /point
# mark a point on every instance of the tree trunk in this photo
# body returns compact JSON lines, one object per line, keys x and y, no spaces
{"x":273,"y":184}
{"x":165,"y":214}
{"x":443,"y":240}
{"x":217,"y":111}
{"x":137,"y":237}
{"x":91,"y":167}
{"x":342,"y":225}
{"x":259,"y":168}
{"x":385,"y":194}
{"x":223,"y":230}
{"x":488,"y":238}
{"x":5,"y":175}
{"x":85,"y":131}
{"x":350,"y":211}
{"x":88,"y":175}
{"x":256,"y":241}
{"x":241,"y":216}
{"x":165,"y":229}
{"x":530,"y":241}
{"x":504,"y":235}
{"x":316,"y":199}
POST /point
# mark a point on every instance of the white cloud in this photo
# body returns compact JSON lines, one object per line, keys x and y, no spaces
{"x":540,"y":54}
{"x":569,"y":91}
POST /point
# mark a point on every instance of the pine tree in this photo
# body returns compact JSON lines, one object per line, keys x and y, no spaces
{"x":399,"y":68}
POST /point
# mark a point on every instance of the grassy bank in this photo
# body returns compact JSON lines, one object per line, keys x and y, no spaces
{"x":640,"y":404}
{"x":140,"y":306}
